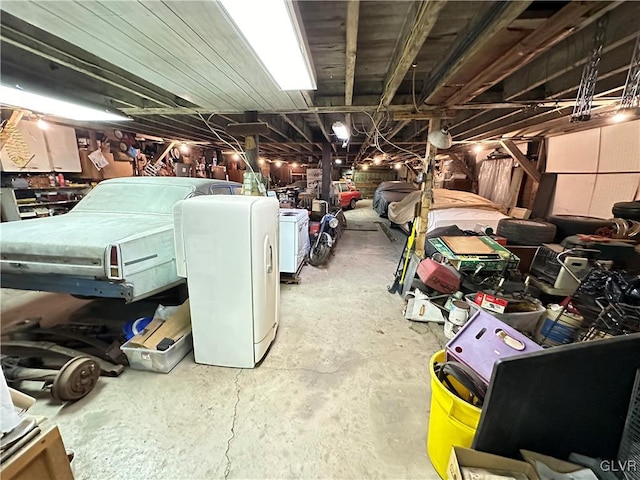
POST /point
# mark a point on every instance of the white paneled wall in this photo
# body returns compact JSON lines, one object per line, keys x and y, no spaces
{"x":596,"y":168}
{"x":574,"y":152}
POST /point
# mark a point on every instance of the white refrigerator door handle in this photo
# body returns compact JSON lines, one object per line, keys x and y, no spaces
{"x":269,"y":258}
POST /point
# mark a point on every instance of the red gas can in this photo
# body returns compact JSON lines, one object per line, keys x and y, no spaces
{"x":443,"y":278}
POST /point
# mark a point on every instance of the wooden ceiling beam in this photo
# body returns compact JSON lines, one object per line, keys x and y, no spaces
{"x":353,"y":16}
{"x":571,"y":18}
{"x":411,"y":40}
{"x":299,"y":125}
{"x":526,"y":164}
{"x":565,"y":57}
{"x":496,"y":19}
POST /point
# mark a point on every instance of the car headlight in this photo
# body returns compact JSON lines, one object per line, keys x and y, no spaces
{"x":333,"y":223}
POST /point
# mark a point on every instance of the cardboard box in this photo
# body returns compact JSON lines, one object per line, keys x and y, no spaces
{"x":466,"y":457}
{"x":491,"y":303}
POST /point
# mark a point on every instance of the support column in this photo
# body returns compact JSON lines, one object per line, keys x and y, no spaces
{"x":326,"y":171}
{"x":251,"y":142}
{"x":427,"y":194}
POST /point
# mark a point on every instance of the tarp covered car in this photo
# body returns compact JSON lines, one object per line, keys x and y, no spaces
{"x":388,"y":192}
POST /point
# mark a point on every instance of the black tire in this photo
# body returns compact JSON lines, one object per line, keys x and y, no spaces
{"x":526,"y":232}
{"x":320,"y":252}
{"x":568,"y":225}
{"x":626,"y":210}
{"x":352,"y":204}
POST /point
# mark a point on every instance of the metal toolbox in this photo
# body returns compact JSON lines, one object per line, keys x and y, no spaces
{"x":484,"y":340}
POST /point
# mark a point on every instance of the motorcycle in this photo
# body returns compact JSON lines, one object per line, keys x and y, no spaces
{"x":324,"y":235}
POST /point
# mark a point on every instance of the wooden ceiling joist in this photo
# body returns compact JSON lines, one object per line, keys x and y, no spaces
{"x":299,"y":126}
{"x":497,"y":18}
{"x":565,"y":57}
{"x":412,"y":39}
{"x":353,"y":15}
{"x":571,"y":18}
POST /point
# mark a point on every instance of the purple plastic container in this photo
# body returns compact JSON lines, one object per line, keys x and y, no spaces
{"x":483,"y":340}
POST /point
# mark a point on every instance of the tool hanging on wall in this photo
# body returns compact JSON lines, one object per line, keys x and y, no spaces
{"x":584,"y":100}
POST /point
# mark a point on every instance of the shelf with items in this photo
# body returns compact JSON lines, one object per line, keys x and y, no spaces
{"x":32,"y":202}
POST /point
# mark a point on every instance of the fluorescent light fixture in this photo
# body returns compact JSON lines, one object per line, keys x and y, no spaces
{"x":271,"y":29}
{"x":17,"y":97}
{"x":341,"y":131}
{"x":42,"y":125}
{"x":338,"y":161}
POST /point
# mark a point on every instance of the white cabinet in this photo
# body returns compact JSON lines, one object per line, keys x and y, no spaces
{"x":34,"y":150}
{"x":63,"y":149}
{"x":294,"y":239}
{"x":26,"y":150}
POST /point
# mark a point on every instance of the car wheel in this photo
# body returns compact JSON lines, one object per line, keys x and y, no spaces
{"x":567,"y":225}
{"x":526,"y":232}
{"x":352,"y":204}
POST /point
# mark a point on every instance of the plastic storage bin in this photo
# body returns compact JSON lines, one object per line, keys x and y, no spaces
{"x":484,"y":340}
{"x":527,"y":322}
{"x":156,"y":360}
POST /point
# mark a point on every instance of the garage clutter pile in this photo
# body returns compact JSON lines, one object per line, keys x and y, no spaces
{"x":495,"y":305}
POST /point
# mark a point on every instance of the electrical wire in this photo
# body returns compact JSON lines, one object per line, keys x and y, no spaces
{"x":239,"y":151}
{"x":377,"y":134}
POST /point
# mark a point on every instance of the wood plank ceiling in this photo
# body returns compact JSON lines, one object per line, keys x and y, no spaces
{"x":180,"y":70}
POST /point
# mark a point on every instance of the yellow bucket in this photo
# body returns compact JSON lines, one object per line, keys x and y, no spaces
{"x":452,"y":421}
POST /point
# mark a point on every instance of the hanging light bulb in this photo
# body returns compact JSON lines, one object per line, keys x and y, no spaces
{"x":398,"y":166}
{"x":365,"y":167}
{"x":235,"y":157}
{"x":377,"y":160}
{"x":294,"y":165}
{"x":477,"y":148}
{"x":42,"y":125}
{"x":278,"y":163}
{"x":338,"y":161}
{"x":184,"y":148}
{"x":261,"y":161}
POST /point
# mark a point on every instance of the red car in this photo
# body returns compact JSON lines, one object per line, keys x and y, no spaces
{"x":347,"y":194}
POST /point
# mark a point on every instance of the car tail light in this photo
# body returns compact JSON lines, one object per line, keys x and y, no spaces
{"x":114,"y":265}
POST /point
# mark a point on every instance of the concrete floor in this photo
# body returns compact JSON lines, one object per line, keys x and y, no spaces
{"x":343,"y":393}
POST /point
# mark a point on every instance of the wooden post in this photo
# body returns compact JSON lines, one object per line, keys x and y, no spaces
{"x":427,"y":193}
{"x":252,"y":143}
{"x":326,"y":171}
{"x":514,"y":190}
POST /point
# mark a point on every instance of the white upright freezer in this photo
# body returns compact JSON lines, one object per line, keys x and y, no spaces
{"x":227,"y":248}
{"x":294,"y":238}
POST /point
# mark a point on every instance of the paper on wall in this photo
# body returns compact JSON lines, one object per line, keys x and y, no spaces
{"x":98,"y":159}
